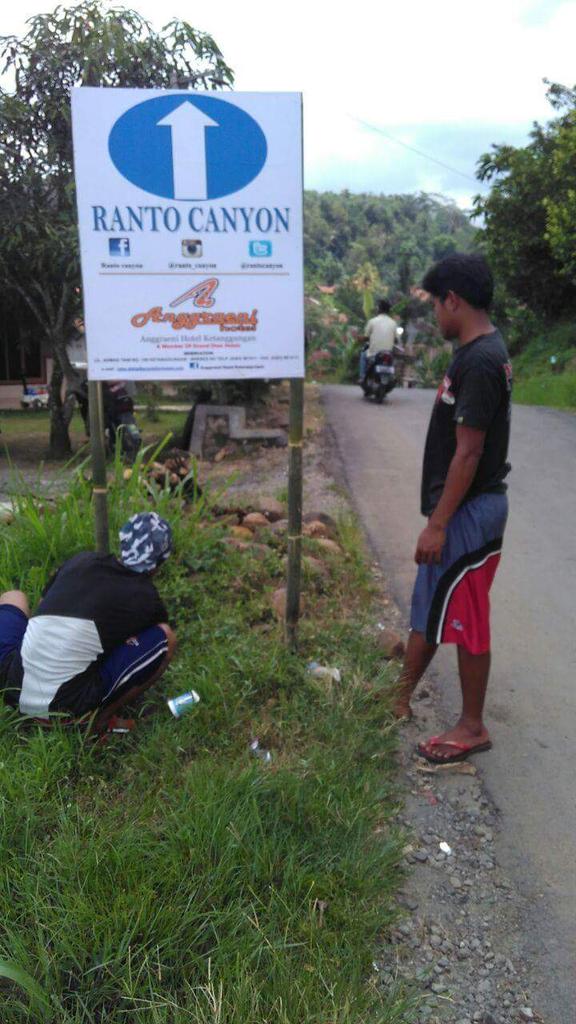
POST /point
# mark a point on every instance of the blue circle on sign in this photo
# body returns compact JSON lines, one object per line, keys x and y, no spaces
{"x":188,"y":147}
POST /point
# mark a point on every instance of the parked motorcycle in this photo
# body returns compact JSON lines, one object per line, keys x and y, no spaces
{"x":119,"y":419}
{"x":380,"y":377}
{"x":34,"y":396}
{"x":118,"y":416}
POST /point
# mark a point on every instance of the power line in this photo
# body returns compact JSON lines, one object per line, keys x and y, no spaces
{"x":413,"y":149}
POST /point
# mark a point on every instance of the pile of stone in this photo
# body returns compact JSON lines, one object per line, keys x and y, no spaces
{"x":175,"y":469}
{"x":267,"y":518}
{"x":262,"y":528}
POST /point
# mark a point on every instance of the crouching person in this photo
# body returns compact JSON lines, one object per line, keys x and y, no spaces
{"x":99,"y":637}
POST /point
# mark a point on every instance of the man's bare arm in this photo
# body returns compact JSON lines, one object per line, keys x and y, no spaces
{"x":469,"y":448}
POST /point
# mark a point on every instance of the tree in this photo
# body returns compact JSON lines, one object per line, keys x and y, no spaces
{"x":443,"y":245}
{"x":561,"y":206}
{"x":343,"y":231}
{"x":528,"y":231}
{"x":561,"y":209}
{"x":83,"y":45}
{"x":366,"y":282}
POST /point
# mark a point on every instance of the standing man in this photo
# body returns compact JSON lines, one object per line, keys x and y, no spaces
{"x":464,"y":499}
{"x":380,"y":333}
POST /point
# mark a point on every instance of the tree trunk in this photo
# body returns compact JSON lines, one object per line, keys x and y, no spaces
{"x":60,"y":446}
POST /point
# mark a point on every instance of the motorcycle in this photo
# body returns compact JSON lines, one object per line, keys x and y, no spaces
{"x":118,"y":416}
{"x":34,"y":396}
{"x":119,"y":419}
{"x":380,"y":377}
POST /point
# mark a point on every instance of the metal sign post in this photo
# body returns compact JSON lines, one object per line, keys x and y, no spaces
{"x":99,"y":481}
{"x":294,"y":511}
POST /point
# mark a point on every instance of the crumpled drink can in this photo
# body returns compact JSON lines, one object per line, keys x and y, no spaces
{"x":185,"y":702}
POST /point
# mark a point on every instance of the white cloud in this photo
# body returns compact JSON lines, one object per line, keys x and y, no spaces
{"x":404,"y":68}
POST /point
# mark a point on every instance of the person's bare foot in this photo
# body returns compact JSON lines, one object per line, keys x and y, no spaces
{"x":456,"y":743}
{"x":402,"y":710}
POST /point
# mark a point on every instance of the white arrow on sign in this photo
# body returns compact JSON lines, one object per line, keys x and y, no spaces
{"x":188,"y":125}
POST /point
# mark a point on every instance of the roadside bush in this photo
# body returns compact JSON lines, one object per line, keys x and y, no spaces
{"x":430,"y":370}
{"x":539,"y":382}
{"x":554,"y":340}
{"x":349,"y":364}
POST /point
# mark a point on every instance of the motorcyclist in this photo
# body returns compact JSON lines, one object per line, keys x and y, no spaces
{"x":381,"y":333}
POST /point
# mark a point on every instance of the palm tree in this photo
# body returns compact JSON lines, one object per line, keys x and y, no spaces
{"x":367,"y":281}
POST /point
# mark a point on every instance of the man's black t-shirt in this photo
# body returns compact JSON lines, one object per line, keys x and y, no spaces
{"x":100,"y":589}
{"x":476,"y":392}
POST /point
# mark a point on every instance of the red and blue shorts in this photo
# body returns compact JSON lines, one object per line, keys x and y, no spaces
{"x":451,"y":601}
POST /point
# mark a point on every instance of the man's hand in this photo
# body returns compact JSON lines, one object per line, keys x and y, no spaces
{"x":461,"y":473}
{"x":430,"y":544}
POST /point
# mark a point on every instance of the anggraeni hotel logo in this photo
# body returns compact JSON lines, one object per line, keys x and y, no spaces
{"x":202,"y":296}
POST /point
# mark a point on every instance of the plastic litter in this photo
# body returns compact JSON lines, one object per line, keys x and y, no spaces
{"x":259,"y":752}
{"x":185,"y":702}
{"x":445,"y":848}
{"x":320,"y":906}
{"x":324,"y":672}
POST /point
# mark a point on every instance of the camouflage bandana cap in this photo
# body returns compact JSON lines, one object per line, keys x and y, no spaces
{"x":145,"y":542}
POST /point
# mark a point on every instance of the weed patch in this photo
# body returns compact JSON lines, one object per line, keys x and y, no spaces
{"x":171,"y":877}
{"x":555,"y":390}
{"x":536,"y":382}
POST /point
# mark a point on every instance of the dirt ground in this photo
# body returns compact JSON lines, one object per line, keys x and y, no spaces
{"x":264,"y":471}
{"x":248,"y":470}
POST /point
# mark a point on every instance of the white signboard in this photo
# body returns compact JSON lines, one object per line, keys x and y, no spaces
{"x":190,"y":214}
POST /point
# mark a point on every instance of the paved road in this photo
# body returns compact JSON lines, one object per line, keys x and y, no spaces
{"x":531,"y":711}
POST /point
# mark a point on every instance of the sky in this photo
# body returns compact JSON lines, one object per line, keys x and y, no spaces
{"x":443,"y":77}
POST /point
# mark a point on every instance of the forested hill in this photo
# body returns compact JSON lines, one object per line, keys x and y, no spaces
{"x":399,"y":236}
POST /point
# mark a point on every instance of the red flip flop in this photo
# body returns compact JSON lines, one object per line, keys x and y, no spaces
{"x":463,"y":750}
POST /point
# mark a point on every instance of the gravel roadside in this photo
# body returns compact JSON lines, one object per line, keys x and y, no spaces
{"x":462,"y":936}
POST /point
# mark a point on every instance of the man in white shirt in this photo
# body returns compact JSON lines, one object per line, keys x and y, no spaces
{"x":381,"y":334}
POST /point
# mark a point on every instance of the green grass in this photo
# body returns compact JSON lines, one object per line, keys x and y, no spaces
{"x":170,"y":877}
{"x":25,"y":433}
{"x":555,"y":390}
{"x":534,"y":381}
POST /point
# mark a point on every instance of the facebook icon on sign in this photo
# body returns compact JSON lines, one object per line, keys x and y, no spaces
{"x":119,"y":246}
